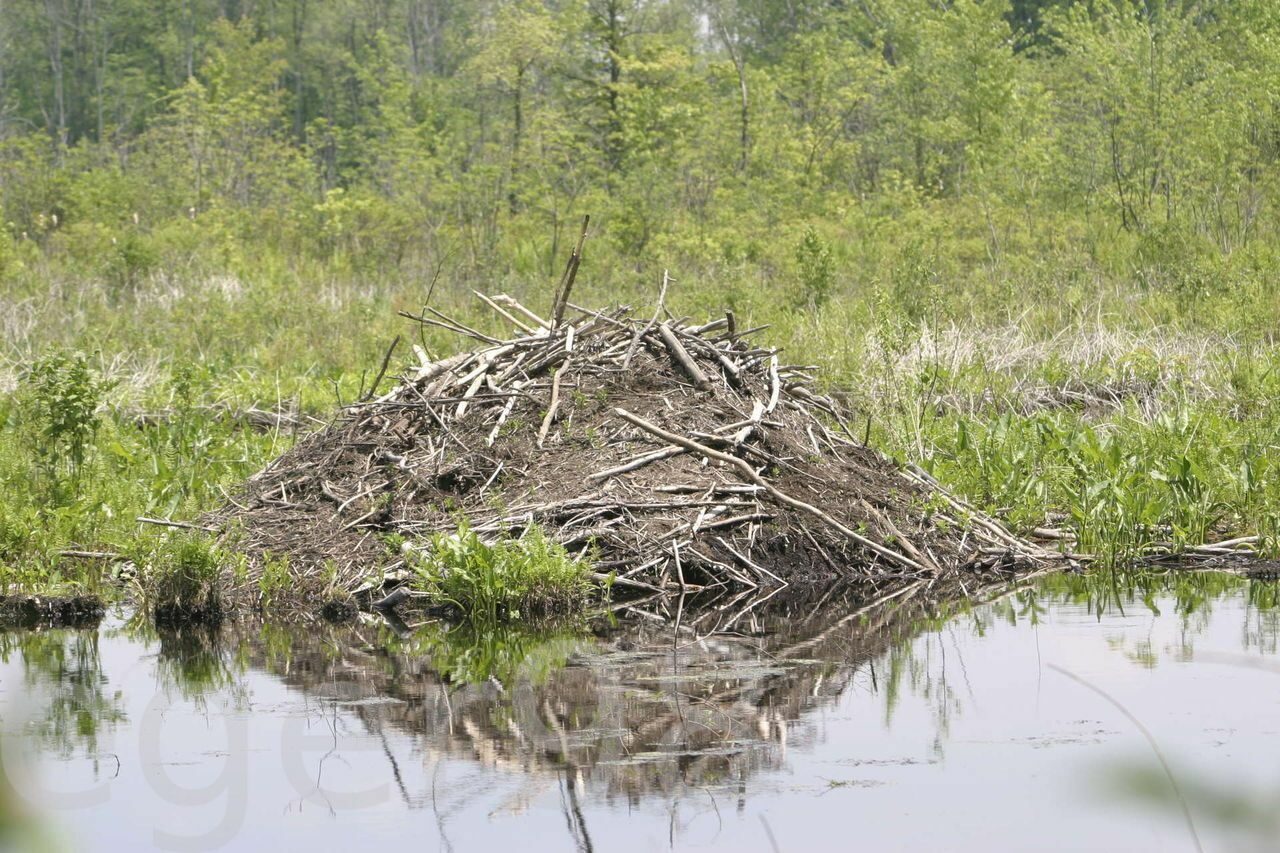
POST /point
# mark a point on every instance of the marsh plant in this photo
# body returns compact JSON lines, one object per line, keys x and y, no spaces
{"x":179,"y":577}
{"x":510,"y":579}
{"x":57,"y":411}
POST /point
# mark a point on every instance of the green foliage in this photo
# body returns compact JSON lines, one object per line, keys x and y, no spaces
{"x":58,"y":408}
{"x":274,"y":580}
{"x":815,"y":267}
{"x":1123,"y":488}
{"x":179,"y":577}
{"x":511,"y":579}
{"x":75,"y":473}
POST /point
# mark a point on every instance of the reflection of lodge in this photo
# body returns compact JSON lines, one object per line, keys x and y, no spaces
{"x":628,"y":714}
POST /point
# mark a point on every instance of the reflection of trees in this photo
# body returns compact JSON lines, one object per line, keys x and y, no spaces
{"x":62,"y":671}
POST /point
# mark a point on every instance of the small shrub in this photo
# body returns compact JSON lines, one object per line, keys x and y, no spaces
{"x":817,"y":269}
{"x":179,"y":578}
{"x":274,"y":580}
{"x":510,"y":579}
{"x":60,"y":396}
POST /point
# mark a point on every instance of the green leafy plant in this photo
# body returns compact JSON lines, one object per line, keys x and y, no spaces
{"x":509,"y":579}
{"x":815,"y":267}
{"x":179,"y":576}
{"x":59,"y":399}
{"x":273,"y":581}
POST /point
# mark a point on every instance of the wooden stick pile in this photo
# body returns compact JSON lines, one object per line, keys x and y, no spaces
{"x":674,"y":456}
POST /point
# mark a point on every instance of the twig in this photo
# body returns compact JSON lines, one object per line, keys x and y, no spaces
{"x":682,"y":357}
{"x":502,"y":313}
{"x":182,"y":525}
{"x":657,"y":312}
{"x":111,"y":556}
{"x":555,"y":401}
{"x":382,"y":371}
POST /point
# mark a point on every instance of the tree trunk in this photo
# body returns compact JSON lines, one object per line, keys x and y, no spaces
{"x":59,"y":116}
{"x":613,"y":44}
{"x":739,"y":66}
{"x":516,"y":137}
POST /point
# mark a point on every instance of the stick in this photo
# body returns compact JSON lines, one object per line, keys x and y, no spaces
{"x":465,"y":328}
{"x":382,"y":371}
{"x":93,"y":555}
{"x":617,"y":581}
{"x":635,"y":339}
{"x":511,"y":303}
{"x":555,"y":401}
{"x":182,"y":525}
{"x":471,"y":392}
{"x":681,"y":355}
{"x":774,"y":385}
{"x":502,"y":313}
{"x":732,"y":372}
{"x":656,"y":456}
{"x":436,"y":369}
{"x":452,"y":327}
{"x":749,"y":473}
{"x":506,"y":413}
{"x":902,"y":540}
{"x":570,"y":273}
{"x":742,"y":558}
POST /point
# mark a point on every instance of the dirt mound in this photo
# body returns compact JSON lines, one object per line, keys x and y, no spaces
{"x":674,"y":456}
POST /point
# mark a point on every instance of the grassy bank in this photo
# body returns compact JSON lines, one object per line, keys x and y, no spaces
{"x":1119,"y":413}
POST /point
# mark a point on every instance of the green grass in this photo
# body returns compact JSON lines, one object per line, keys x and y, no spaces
{"x":1127,"y":397}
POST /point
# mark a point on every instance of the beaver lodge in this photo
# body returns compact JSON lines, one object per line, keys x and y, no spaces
{"x":674,"y":456}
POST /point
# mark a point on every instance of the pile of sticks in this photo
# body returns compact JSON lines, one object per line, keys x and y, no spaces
{"x":674,"y":456}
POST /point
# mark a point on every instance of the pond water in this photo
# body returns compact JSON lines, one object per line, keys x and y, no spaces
{"x":1072,"y":714}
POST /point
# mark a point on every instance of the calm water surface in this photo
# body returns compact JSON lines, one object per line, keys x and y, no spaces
{"x":1044,"y":720}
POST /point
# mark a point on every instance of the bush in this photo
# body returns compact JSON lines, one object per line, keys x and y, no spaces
{"x":179,"y":576}
{"x":59,"y":399}
{"x":816,"y":268}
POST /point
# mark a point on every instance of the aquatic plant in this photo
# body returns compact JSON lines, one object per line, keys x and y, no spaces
{"x":178,"y":577}
{"x":511,"y":578}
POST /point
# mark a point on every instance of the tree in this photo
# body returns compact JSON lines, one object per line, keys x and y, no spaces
{"x":514,"y":46}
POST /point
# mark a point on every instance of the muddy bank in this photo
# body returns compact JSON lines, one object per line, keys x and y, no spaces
{"x":31,"y":612}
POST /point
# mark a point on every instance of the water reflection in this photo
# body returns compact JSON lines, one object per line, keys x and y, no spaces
{"x":62,"y":671}
{"x":635,"y":710}
{"x":686,"y":709}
